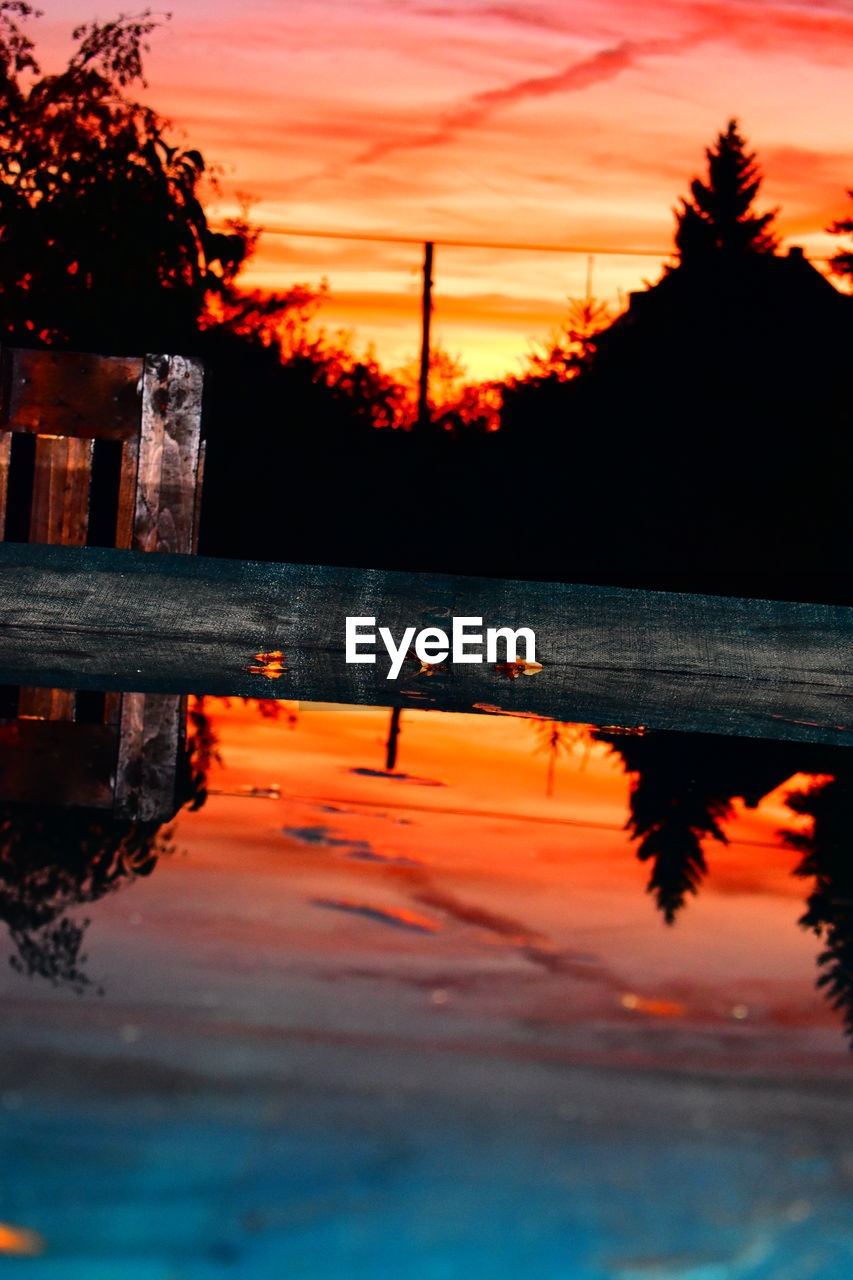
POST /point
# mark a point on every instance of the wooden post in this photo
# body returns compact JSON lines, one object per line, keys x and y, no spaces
{"x":167,"y":468}
{"x":426,"y":318}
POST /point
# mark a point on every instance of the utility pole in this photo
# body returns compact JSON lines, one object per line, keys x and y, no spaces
{"x":391,"y":744}
{"x":426,"y":317}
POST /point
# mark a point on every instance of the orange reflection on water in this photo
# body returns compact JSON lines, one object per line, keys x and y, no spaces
{"x":20,"y":1242}
{"x":456,"y":872}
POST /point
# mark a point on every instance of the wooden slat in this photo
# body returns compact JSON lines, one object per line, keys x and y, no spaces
{"x":152,"y":728}
{"x":95,"y":618}
{"x":70,"y":394}
{"x":127,"y":492}
{"x":5,"y":456}
{"x":59,"y":514}
{"x":168,"y":455}
{"x":60,"y":509}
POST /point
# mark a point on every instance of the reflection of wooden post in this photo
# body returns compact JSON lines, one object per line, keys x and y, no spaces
{"x":426,"y":318}
{"x":393,"y":735}
{"x":151,"y":735}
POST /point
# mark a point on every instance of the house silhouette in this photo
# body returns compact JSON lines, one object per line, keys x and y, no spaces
{"x":709,"y":439}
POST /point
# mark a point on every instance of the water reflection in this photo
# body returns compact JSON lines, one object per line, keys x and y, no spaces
{"x":684,"y":790}
{"x":55,"y":857}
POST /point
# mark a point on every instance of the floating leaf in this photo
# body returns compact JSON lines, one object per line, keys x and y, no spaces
{"x":512,"y":670}
{"x":270,"y":665}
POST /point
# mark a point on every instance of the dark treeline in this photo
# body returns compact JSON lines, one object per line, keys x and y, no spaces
{"x":683,"y":788}
{"x":701,"y":440}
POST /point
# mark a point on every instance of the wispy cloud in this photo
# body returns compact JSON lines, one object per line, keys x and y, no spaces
{"x":396,"y":917}
{"x":480,"y":107}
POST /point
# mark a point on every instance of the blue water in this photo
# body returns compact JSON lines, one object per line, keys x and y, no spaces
{"x":217,"y":1187}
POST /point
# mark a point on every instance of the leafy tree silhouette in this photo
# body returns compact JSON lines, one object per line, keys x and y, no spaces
{"x":54,"y":859}
{"x":674,"y":806}
{"x":572,"y":346}
{"x":104,"y":241}
{"x":555,"y":736}
{"x":826,"y":858}
{"x":719,"y":217}
{"x":682,"y":789}
{"x":842,"y":262}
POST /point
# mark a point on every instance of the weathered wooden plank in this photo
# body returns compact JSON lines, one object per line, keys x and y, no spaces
{"x":5,"y":457}
{"x":127,"y":492}
{"x":95,"y":618}
{"x":168,"y":455}
{"x":151,"y":734}
{"x":60,"y":507}
{"x":68,"y":393}
{"x":59,"y":514}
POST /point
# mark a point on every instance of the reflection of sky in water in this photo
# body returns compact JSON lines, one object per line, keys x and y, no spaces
{"x":343,"y":1035}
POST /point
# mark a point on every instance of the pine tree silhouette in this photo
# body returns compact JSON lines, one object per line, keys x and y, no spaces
{"x":826,"y":858}
{"x":842,"y":262}
{"x":719,"y":216}
{"x":678,"y":800}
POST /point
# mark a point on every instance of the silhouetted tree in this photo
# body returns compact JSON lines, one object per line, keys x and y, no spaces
{"x":103,"y":238}
{"x":571,"y":347}
{"x":842,"y":262}
{"x":55,"y":859}
{"x":682,"y":789}
{"x":457,"y":404}
{"x":556,"y":736}
{"x":675,"y":805}
{"x":826,"y":851}
{"x":719,"y":217}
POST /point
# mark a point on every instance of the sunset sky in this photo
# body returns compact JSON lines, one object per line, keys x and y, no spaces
{"x":544,"y":123}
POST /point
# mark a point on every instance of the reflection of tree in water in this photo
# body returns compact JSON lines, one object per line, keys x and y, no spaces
{"x":826,"y":856}
{"x":554,"y":737}
{"x":53,"y":859}
{"x":682,"y":791}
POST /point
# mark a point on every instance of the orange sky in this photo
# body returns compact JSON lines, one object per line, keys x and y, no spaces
{"x":475,"y":869}
{"x":541,"y":122}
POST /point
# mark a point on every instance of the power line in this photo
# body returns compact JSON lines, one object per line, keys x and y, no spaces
{"x":375,"y":237}
{"x":442,"y":811}
{"x":378,"y":237}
